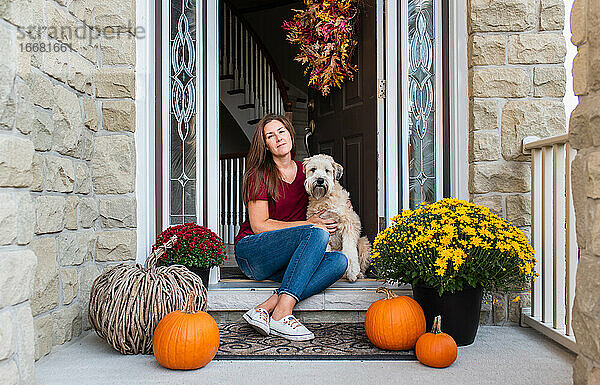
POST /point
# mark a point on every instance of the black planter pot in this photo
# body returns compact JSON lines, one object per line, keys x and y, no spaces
{"x":459,"y":311}
{"x":202,"y":273}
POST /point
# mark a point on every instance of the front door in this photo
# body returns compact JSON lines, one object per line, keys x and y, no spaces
{"x":345,"y":124}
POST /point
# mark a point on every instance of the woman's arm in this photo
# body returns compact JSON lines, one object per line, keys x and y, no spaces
{"x":258,"y":214}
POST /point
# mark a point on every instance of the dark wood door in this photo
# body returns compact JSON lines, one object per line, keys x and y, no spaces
{"x":345,"y":124}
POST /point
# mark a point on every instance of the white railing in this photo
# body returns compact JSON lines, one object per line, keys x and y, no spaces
{"x":233,"y":210}
{"x":553,"y":238}
{"x":254,"y":72}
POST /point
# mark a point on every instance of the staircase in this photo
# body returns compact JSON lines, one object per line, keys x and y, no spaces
{"x":299,"y":101}
{"x":251,"y":86}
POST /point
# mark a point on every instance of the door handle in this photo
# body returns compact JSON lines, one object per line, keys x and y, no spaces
{"x":308,"y":131}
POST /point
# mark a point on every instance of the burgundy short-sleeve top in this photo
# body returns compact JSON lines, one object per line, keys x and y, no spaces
{"x":292,"y":204}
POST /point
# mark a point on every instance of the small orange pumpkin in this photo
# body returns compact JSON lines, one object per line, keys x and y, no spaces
{"x":436,"y":349}
{"x":186,"y":339}
{"x":395,"y":322}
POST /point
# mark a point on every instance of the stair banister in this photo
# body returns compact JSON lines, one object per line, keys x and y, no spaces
{"x":265,"y":61}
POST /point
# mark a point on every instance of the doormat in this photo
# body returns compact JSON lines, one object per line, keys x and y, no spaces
{"x":333,"y":341}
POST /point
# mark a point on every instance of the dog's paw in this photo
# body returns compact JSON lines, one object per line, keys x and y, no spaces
{"x":353,"y":272}
{"x":351,"y":277}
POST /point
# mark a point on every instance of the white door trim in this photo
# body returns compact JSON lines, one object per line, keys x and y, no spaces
{"x":381,"y":75}
{"x":396,"y":179}
{"x":459,"y":100}
{"x":207,"y":118}
{"x":165,"y":113}
{"x":145,"y":131}
{"x":391,"y":151}
{"x":209,"y":204}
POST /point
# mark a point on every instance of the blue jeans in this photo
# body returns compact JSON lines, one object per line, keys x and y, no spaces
{"x":295,"y":257}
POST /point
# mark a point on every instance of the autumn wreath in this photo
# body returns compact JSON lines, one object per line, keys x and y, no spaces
{"x":324,"y":32}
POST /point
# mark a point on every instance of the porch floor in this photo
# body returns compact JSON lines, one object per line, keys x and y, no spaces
{"x":499,"y":355}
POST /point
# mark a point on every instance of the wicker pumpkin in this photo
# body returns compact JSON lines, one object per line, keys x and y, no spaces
{"x":128,"y":301}
{"x":436,"y":349}
{"x":395,"y":322}
{"x":186,"y":339}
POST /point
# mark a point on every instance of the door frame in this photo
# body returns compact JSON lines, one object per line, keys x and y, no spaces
{"x":152,"y":183}
{"x":391,"y":128}
{"x":393,"y":159}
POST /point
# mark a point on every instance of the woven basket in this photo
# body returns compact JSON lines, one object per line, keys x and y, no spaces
{"x":128,"y":301}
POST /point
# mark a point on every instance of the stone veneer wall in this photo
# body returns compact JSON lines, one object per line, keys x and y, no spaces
{"x":585,"y":137}
{"x":67,"y":168}
{"x":516,"y":53}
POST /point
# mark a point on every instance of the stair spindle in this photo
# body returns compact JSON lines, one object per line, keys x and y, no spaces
{"x":236,"y":56}
{"x":246,"y":69}
{"x":273,"y":93}
{"x":260,"y":89}
{"x":263,"y":83}
{"x":244,"y":206}
{"x":231,"y":202}
{"x":226,"y":201}
{"x":238,"y":189}
{"x":222,"y":207}
{"x":230,"y":42}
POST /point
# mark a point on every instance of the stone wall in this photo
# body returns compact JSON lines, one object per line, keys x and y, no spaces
{"x":585,"y":129}
{"x":516,"y":53}
{"x":67,"y":166}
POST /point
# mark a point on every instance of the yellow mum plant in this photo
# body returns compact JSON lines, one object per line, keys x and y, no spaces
{"x":453,"y":244}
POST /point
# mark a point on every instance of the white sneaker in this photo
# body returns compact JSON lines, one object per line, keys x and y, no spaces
{"x":290,"y":328}
{"x":258,"y":318}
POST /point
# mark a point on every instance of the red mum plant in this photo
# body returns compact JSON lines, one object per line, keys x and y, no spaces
{"x":196,"y":246}
{"x":324,"y":32}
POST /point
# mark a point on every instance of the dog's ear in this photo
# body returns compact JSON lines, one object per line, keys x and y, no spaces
{"x":339,"y":170}
{"x":304,"y":163}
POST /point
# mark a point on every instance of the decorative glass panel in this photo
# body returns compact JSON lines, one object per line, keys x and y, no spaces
{"x":422,"y":114}
{"x":182,"y":81}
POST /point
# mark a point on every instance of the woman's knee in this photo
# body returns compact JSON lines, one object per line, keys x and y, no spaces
{"x":319,"y":236}
{"x":340,"y":262}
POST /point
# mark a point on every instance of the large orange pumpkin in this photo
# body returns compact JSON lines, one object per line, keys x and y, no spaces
{"x":186,"y":339}
{"x":436,"y":349}
{"x":395,"y":322}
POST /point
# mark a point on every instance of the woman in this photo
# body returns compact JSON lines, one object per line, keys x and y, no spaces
{"x":277,"y":242}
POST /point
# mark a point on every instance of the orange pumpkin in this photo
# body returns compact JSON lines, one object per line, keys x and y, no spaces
{"x":395,"y":322}
{"x":186,"y":339}
{"x":436,"y":349}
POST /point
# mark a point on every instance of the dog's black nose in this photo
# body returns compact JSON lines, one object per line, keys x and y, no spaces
{"x":320,"y":180}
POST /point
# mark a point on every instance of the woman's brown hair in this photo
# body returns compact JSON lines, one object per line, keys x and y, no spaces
{"x":260,"y":167}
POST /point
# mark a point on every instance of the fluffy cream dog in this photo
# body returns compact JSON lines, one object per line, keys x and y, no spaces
{"x":326,"y":193}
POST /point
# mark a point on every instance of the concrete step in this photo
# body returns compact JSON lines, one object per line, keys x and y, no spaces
{"x":240,"y":295}
{"x":303,"y":316}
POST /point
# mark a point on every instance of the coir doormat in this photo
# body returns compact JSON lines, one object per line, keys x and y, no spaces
{"x":333,"y":341}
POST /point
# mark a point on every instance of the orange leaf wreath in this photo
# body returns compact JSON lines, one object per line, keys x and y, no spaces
{"x":324,"y":32}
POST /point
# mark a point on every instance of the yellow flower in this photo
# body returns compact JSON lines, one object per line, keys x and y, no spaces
{"x":469,"y":231}
{"x":517,"y":298}
{"x":442,"y":263}
{"x":458,"y":258}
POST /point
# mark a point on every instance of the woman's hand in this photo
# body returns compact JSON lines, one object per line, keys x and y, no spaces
{"x":328,"y":225}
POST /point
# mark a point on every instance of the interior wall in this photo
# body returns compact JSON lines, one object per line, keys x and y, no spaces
{"x":267,"y":24}
{"x":231,"y":138}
